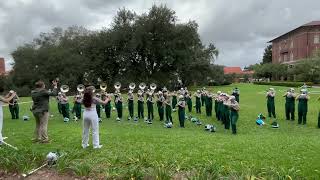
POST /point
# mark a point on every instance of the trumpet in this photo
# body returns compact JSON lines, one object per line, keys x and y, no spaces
{"x":142,"y":86}
{"x":64,"y":88}
{"x":132,"y":86}
{"x":103,"y":86}
{"x":80,"y":88}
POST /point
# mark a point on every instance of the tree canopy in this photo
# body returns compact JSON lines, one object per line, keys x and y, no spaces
{"x":151,"y":47}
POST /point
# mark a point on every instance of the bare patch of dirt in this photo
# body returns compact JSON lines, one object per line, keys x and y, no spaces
{"x":39,"y":175}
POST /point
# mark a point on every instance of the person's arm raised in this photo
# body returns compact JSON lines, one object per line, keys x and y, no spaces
{"x":6,"y":100}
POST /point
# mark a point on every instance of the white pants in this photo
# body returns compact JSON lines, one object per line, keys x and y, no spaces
{"x":90,"y":118}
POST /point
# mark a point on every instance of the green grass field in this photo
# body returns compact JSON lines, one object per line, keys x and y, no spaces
{"x":138,"y":151}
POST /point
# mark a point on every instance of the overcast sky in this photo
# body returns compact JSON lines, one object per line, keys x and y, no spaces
{"x":240,"y":29}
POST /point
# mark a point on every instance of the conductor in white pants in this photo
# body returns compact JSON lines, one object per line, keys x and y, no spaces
{"x":90,"y":118}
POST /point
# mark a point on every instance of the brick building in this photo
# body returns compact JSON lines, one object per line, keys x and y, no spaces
{"x":239,"y":73}
{"x":297,"y":44}
{"x":2,"y":66}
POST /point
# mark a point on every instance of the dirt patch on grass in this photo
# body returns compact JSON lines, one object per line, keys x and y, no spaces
{"x":39,"y":175}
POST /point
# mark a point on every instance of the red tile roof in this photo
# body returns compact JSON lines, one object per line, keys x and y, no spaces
{"x":232,"y":70}
{"x":312,"y":23}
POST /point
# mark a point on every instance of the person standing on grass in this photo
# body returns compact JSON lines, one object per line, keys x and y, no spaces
{"x":290,"y":104}
{"x":40,"y":97}
{"x":236,"y":94}
{"x":98,"y":107}
{"x":198,"y":102}
{"x":203,"y":96}
{"x":234,"y":115}
{"x":225,"y":111}
{"x":107,"y":107}
{"x":303,"y":99}
{"x":90,"y":118}
{"x":160,"y":105}
{"x":168,"y":107}
{"x":209,"y":104}
{"x":130,"y":104}
{"x":174,"y":100}
{"x":77,"y":107}
{"x":189,"y":101}
{"x":13,"y":105}
{"x":5,"y":99}
{"x":181,"y":110}
{"x":216,"y":105}
{"x":63,"y":98}
{"x":270,"y":103}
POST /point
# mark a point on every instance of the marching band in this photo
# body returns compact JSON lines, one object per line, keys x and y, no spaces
{"x":226,"y":107}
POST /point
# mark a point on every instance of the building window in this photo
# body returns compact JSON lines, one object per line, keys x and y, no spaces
{"x":316,"y":39}
{"x":291,"y":45}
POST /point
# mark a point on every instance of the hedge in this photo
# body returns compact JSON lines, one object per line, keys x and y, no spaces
{"x":284,"y":83}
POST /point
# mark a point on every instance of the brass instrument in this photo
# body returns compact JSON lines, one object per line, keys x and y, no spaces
{"x":103,"y":87}
{"x":142,"y":86}
{"x":80,"y":88}
{"x":64,"y":88}
{"x":117,"y":86}
{"x":132,"y":86}
{"x":153,"y":86}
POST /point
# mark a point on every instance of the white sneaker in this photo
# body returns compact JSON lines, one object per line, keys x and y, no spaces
{"x":84,"y":147}
{"x":97,"y":147}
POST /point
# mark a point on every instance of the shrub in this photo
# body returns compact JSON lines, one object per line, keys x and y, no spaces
{"x":283,"y":83}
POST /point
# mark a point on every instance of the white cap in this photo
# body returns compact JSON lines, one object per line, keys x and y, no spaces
{"x":11,"y":91}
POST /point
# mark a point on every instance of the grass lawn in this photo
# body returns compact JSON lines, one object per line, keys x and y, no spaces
{"x":137,"y":150}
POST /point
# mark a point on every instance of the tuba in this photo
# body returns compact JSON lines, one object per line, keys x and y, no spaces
{"x":132,"y":86}
{"x":153,"y":86}
{"x":80,"y":88}
{"x":64,"y":88}
{"x":117,"y":86}
{"x":142,"y":86}
{"x":103,"y":86}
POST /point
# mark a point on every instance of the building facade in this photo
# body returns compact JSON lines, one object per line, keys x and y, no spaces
{"x":2,"y":66}
{"x":297,"y":44}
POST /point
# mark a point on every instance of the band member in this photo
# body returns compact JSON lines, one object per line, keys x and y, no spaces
{"x":150,"y":106}
{"x":140,"y":104}
{"x":216,"y":104}
{"x":13,"y":105}
{"x":40,"y":97}
{"x":160,"y":105}
{"x":209,"y":105}
{"x":77,"y":106}
{"x":303,"y":106}
{"x":188,"y":99}
{"x":90,"y":118}
{"x":118,"y":102}
{"x":5,"y":99}
{"x":98,"y":107}
{"x":107,"y":107}
{"x":130,"y":104}
{"x":174,"y":100}
{"x":63,"y":98}
{"x":167,"y":104}
{"x":58,"y":103}
{"x":236,"y":94}
{"x":270,"y":103}
{"x":181,"y":110}
{"x":220,"y":108}
{"x":225,"y":111}
{"x":203,"y":96}
{"x":198,"y":102}
{"x":234,"y":115}
{"x":290,"y":104}
{"x":182,"y":91}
